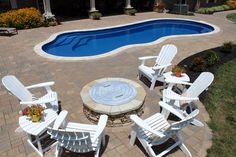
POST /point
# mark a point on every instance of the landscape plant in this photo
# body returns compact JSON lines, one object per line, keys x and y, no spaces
{"x":130,"y":11}
{"x":198,"y":64}
{"x":52,"y":21}
{"x":21,"y":18}
{"x":212,"y":58}
{"x":96,"y":15}
{"x":159,"y":6}
{"x":227,"y":47}
{"x":231,"y":3}
{"x":211,"y":10}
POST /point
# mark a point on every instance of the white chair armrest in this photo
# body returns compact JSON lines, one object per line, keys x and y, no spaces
{"x":143,"y":125}
{"x":174,"y":81}
{"x":171,"y":109}
{"x":44,"y":84}
{"x":173,"y":97}
{"x":160,"y":67}
{"x":60,"y":119}
{"x":100,"y":126}
{"x":147,"y":57}
{"x":143,"y":59}
{"x":38,"y":101}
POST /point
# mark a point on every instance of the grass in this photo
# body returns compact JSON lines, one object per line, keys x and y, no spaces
{"x":220,"y":103}
{"x":231,"y":17}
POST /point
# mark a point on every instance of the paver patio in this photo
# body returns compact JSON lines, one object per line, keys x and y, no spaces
{"x":18,"y":58}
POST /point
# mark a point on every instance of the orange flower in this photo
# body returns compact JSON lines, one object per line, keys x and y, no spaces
{"x":21,"y":18}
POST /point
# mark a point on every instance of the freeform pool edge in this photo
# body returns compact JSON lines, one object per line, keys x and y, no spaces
{"x":38,"y":48}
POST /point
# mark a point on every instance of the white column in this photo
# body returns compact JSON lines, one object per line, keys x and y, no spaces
{"x":47,"y":8}
{"x":13,"y":4}
{"x":92,"y":6}
{"x":128,"y":4}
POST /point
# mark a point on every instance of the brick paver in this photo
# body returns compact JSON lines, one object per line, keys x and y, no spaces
{"x":18,"y":58}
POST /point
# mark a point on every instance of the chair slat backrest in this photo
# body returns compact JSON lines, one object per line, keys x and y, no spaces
{"x":13,"y":85}
{"x":176,"y":126}
{"x":166,"y":55}
{"x":79,"y":142}
{"x":203,"y":81}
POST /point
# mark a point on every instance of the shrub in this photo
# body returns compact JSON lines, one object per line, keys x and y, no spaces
{"x":227,"y":47}
{"x":131,"y":11}
{"x":201,"y":10}
{"x":22,"y":18}
{"x":211,"y":58}
{"x":96,"y":15}
{"x":52,"y":21}
{"x":218,"y":8}
{"x":159,"y":7}
{"x":231,"y":3}
{"x":226,"y":7}
{"x":198,"y":64}
{"x":211,"y":10}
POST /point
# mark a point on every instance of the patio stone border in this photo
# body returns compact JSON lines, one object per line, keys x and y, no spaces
{"x":119,"y":114}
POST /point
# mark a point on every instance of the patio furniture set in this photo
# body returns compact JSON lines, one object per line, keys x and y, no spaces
{"x":109,"y":99}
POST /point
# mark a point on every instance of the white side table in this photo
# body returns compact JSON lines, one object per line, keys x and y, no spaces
{"x":170,"y":77}
{"x":37,"y":129}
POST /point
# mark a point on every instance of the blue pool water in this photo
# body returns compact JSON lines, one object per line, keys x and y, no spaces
{"x":95,"y":42}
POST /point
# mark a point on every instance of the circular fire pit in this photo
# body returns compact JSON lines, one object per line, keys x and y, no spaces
{"x":116,"y":97}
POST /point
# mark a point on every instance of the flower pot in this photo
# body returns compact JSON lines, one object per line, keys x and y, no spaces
{"x":35,"y":118}
{"x":177,"y":74}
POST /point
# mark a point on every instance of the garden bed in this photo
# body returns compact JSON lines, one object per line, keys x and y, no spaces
{"x":223,"y":58}
{"x":219,"y":100}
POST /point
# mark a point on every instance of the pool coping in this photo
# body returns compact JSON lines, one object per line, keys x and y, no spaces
{"x":38,"y":48}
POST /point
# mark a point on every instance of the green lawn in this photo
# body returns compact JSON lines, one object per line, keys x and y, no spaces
{"x":231,"y":17}
{"x":220,"y":103}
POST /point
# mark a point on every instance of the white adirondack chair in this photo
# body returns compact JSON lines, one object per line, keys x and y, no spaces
{"x":156,"y":130}
{"x":77,"y":137}
{"x":176,"y":100}
{"x":15,"y":87}
{"x":163,"y":60}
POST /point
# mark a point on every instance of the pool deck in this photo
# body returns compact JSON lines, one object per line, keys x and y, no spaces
{"x":18,"y":58}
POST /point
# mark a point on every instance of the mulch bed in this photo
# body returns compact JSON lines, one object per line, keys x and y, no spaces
{"x":224,"y":58}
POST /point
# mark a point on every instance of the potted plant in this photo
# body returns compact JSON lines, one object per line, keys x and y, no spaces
{"x":34,"y":112}
{"x":130,"y":11}
{"x":177,"y":70}
{"x":95,"y":15}
{"x":159,"y":7}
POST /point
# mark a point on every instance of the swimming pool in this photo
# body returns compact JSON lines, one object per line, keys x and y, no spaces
{"x":101,"y":42}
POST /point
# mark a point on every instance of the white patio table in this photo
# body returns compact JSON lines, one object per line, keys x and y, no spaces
{"x":172,"y":80}
{"x":37,"y":129}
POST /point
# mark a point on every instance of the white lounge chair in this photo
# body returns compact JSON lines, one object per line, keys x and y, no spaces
{"x":179,"y":102}
{"x":15,"y":87}
{"x":156,"y":130}
{"x":77,"y":137}
{"x":7,"y":30}
{"x":163,"y":60}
